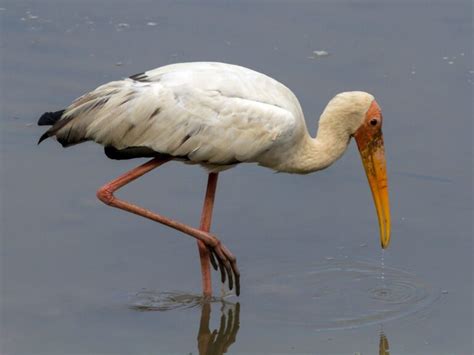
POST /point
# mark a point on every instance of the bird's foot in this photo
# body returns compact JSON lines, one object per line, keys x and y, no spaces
{"x":223,"y":260}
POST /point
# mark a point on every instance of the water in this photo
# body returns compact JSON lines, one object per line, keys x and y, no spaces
{"x":151,"y":300}
{"x":382,"y":265}
{"x":78,"y":277}
{"x":341,"y":295}
{"x":384,"y":346}
{"x":334,"y":295}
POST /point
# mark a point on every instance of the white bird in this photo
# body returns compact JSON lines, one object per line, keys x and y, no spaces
{"x":219,"y":115}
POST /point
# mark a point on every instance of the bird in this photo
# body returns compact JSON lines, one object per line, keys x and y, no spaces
{"x":218,"y":115}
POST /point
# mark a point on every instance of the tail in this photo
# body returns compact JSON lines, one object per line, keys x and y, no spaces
{"x":49,"y":119}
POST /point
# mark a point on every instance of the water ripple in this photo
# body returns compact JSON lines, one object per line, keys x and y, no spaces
{"x":151,"y":300}
{"x":342,"y":294}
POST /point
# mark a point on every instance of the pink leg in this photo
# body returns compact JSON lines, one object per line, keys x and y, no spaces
{"x":227,"y":262}
{"x":206,"y":218}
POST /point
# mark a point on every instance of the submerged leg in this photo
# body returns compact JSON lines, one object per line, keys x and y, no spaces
{"x":206,"y":218}
{"x":227,"y":262}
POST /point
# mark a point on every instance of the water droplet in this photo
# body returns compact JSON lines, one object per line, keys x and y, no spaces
{"x":382,"y":265}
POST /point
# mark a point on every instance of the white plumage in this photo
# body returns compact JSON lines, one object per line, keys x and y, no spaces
{"x":210,"y":113}
{"x":213,"y":114}
{"x":218,"y":115}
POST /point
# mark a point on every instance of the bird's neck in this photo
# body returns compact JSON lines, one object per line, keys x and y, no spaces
{"x":318,"y":153}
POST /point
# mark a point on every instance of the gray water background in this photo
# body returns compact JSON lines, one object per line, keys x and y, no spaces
{"x":69,"y":264}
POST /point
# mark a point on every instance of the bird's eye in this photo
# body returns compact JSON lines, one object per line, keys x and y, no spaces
{"x":374,"y":121}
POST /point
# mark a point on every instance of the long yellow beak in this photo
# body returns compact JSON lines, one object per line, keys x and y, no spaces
{"x":372,"y":152}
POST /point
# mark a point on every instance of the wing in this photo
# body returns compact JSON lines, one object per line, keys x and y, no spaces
{"x":206,"y":112}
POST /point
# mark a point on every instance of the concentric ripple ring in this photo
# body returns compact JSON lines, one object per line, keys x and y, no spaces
{"x":341,"y":294}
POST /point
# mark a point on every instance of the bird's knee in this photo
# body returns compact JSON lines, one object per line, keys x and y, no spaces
{"x":105,"y":195}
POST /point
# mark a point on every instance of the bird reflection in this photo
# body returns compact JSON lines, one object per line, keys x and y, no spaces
{"x":219,"y":341}
{"x":384,"y":348}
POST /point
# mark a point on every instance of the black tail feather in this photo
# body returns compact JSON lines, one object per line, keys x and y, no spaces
{"x":50,"y":118}
{"x":44,"y":136}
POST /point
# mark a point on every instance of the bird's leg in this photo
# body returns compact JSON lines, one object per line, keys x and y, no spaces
{"x":226,"y":260}
{"x":206,"y":218}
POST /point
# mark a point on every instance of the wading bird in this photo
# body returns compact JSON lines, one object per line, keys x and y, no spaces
{"x":219,"y":115}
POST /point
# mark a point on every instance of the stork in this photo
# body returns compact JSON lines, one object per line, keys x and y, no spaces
{"x":219,"y":115}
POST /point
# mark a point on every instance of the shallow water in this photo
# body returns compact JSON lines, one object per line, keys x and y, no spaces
{"x":78,"y":277}
{"x":342,"y":295}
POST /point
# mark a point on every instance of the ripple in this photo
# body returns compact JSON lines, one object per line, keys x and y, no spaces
{"x":150,"y":300}
{"x":342,"y":294}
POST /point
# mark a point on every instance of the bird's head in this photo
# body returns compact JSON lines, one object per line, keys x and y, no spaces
{"x":362,"y":119}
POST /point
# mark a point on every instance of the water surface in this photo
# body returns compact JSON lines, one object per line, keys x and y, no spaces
{"x":73,"y":270}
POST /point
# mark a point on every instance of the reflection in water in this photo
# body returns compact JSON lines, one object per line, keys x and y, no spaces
{"x":219,"y":341}
{"x":209,"y":343}
{"x":384,"y":348}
